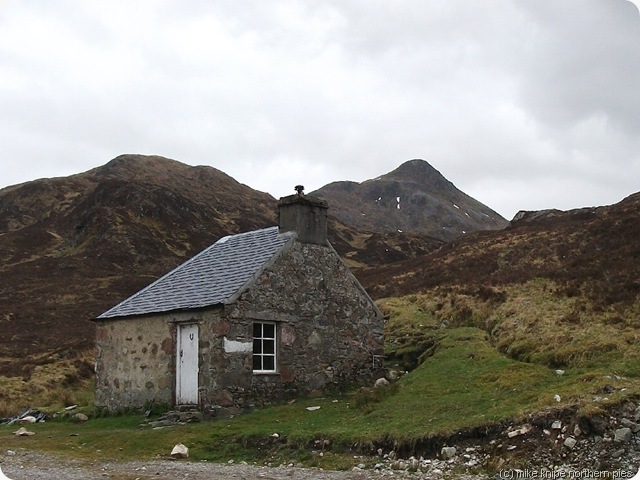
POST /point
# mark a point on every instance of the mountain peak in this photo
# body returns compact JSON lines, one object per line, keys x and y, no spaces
{"x":418,"y":171}
{"x":416,"y":165}
{"x":416,"y":198}
{"x":130,"y":165}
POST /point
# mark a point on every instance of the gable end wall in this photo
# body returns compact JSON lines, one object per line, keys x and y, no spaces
{"x":329,"y":331}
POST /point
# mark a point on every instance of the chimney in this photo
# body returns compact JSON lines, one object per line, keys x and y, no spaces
{"x":307,"y":216}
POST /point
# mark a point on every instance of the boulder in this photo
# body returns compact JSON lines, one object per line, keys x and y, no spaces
{"x":80,"y":418}
{"x":448,"y":452}
{"x":622,"y":435}
{"x":381,"y":382}
{"x":392,"y":375}
{"x":629,"y":424}
{"x":180,"y":451}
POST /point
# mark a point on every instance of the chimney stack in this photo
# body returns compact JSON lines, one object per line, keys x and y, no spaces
{"x":305,"y":215}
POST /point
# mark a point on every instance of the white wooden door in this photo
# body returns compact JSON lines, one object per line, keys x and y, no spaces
{"x":187,"y":365}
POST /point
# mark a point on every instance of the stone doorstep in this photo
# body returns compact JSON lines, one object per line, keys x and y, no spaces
{"x":173,"y":417}
{"x":187,"y":408}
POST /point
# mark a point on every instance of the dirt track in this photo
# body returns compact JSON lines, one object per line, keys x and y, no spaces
{"x":24,"y":465}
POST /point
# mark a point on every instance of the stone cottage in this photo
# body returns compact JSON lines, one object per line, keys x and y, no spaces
{"x":257,"y":317}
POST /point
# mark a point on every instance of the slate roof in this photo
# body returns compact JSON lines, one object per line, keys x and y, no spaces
{"x":209,"y":278}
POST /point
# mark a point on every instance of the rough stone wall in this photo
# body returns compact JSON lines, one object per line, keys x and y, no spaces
{"x":135,"y":362}
{"x":328,"y":332}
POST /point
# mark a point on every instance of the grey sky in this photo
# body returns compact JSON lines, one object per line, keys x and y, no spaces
{"x":521,"y":104}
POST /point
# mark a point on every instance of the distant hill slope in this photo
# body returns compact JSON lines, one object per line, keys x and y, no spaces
{"x":69,"y":247}
{"x":593,"y":252}
{"x":72,"y":247}
{"x":414,"y":198}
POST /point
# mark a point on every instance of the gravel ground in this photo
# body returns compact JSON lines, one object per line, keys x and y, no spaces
{"x":27,"y":465}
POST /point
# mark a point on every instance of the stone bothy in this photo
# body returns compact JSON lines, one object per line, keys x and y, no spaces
{"x":255,"y":318}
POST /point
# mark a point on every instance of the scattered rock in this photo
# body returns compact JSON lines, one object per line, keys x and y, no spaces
{"x":622,"y":435}
{"x":313,"y":409}
{"x":617,"y":453}
{"x":23,"y":432}
{"x":180,"y":451}
{"x":523,"y":430}
{"x":448,"y":452}
{"x":80,"y":418}
{"x":570,"y":442}
{"x":392,"y":375}
{"x":629,"y":424}
{"x":381,"y":382}
{"x":557,"y":425}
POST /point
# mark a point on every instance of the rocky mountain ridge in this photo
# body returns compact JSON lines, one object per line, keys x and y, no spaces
{"x":414,"y":198}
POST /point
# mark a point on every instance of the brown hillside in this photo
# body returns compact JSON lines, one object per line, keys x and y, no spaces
{"x":70,"y":248}
{"x":593,"y":252}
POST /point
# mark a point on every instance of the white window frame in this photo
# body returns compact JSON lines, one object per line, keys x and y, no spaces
{"x":260,"y":341}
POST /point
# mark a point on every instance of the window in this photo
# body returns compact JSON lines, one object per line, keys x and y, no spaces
{"x":264,"y":347}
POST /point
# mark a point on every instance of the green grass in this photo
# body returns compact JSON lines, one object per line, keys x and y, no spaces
{"x":465,"y":384}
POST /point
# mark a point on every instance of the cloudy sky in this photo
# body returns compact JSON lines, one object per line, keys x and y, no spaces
{"x":522,"y":104}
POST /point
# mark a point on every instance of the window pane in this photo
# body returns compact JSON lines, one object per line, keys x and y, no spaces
{"x":268,"y":363}
{"x":269,"y":330}
{"x":257,"y":346}
{"x":269,"y":346}
{"x":257,"y":330}
{"x":257,"y":362}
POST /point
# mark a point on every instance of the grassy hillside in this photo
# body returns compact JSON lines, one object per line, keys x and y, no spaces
{"x":537,"y":322}
{"x":475,"y":362}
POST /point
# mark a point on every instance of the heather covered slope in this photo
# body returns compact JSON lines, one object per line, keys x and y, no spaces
{"x":71,"y":246}
{"x":593,"y":252}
